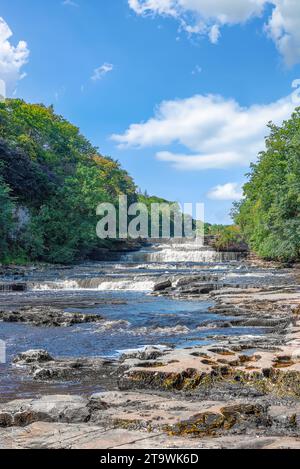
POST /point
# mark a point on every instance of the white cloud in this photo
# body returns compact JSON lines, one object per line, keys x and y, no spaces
{"x":214,"y":34}
{"x":12,"y":58}
{"x":100,"y":72}
{"x":284,"y":28}
{"x":70,"y":3}
{"x":229,"y":191}
{"x":206,"y":17}
{"x":201,"y":16}
{"x":215,"y":132}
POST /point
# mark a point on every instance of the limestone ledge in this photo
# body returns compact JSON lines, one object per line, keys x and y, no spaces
{"x":270,"y":362}
{"x":140,"y":420}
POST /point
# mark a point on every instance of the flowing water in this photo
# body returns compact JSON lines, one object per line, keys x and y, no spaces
{"x":121,"y":293}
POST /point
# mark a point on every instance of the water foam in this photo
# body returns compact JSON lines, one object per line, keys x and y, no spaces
{"x":188,"y":252}
{"x":98,"y":284}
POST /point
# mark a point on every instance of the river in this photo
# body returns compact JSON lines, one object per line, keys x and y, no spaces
{"x":121,"y":292}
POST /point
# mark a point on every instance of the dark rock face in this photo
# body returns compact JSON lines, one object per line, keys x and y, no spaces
{"x":193,"y":285}
{"x":197,"y":289}
{"x":32,"y":356}
{"x":13,"y":287}
{"x":162,"y":285}
{"x":47,"y":317}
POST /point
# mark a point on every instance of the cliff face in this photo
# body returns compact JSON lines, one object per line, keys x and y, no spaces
{"x":29,"y":182}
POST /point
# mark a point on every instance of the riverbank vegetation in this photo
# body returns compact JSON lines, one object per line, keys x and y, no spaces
{"x":269,"y":215}
{"x":51,"y":181}
{"x":225,"y":237}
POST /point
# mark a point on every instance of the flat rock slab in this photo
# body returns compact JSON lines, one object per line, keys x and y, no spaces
{"x":148,"y":412}
{"x":69,"y":436}
{"x":156,"y":414}
{"x":47,"y":409}
{"x":61,"y":436}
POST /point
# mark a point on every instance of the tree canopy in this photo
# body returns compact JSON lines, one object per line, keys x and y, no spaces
{"x":49,"y":168}
{"x":269,"y":215}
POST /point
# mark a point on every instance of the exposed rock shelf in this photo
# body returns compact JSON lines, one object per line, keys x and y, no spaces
{"x":47,"y":317}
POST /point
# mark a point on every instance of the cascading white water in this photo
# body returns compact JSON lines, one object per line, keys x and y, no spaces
{"x":181,"y":252}
{"x":99,"y":283}
{"x":155,"y":257}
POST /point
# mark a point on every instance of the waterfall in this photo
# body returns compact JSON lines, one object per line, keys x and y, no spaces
{"x":181,"y":252}
{"x":133,"y":283}
{"x":158,"y":259}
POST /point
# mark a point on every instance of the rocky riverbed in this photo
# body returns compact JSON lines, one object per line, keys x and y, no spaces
{"x":237,"y":385}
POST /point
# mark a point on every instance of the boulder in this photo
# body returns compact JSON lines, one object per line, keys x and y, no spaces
{"x":160,"y":286}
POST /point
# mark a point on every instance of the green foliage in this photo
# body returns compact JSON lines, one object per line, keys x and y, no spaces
{"x":269,"y":216}
{"x":227,"y":237}
{"x":49,"y":168}
{"x":6,"y":219}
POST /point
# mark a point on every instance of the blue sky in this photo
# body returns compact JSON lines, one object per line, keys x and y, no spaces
{"x":179,"y":94}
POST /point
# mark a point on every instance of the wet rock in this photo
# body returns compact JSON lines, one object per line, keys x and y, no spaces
{"x":265,"y":322}
{"x":47,"y":317}
{"x":197,"y":289}
{"x":32,"y":356}
{"x":149,"y":353}
{"x":42,"y":367}
{"x":13,"y":287}
{"x":188,"y":280}
{"x":111,"y":326}
{"x":160,"y":286}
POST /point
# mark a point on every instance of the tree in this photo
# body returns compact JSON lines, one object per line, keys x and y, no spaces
{"x":269,"y":216}
{"x":54,"y":172}
{"x":6,"y":220}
